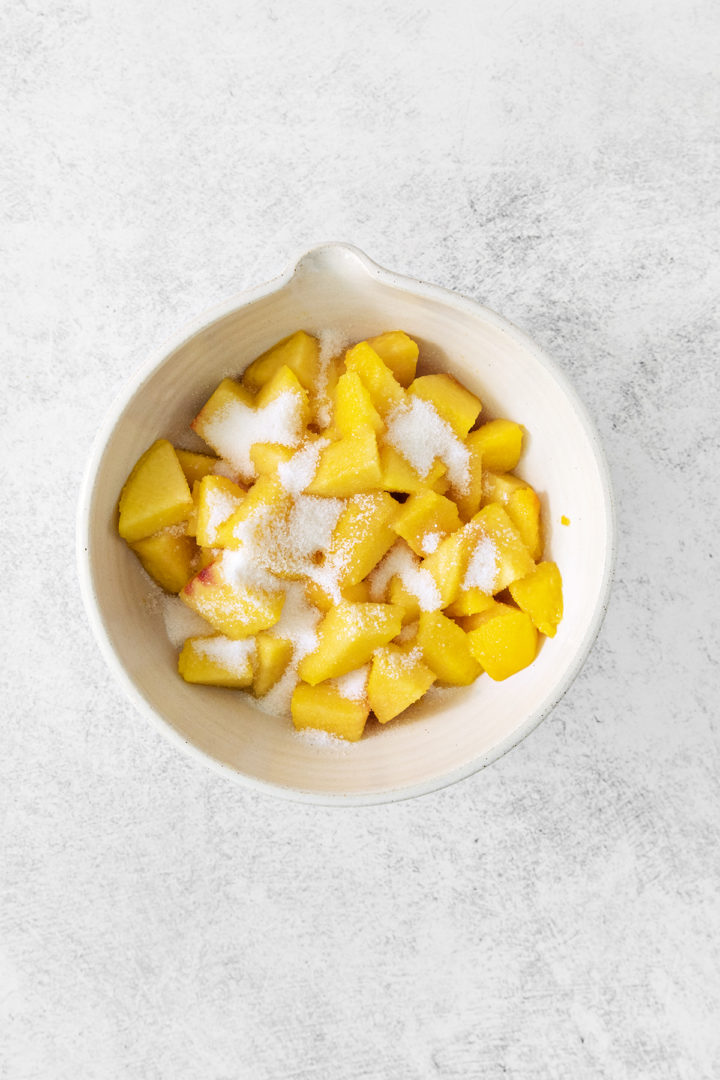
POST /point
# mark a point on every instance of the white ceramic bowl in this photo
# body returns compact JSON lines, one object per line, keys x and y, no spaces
{"x":336,"y":286}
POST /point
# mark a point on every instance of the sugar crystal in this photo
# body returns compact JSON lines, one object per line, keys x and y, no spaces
{"x":229,"y":654}
{"x":236,"y":427}
{"x":298,"y":472}
{"x":419,"y":433}
{"x":403,"y":563}
{"x":482,"y":566}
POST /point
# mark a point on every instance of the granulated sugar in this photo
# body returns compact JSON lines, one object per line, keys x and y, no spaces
{"x":220,"y":505}
{"x":482,"y":566}
{"x":298,"y":624}
{"x":324,"y":741}
{"x":223,"y":468}
{"x":353,"y":686}
{"x":241,"y":566}
{"x":236,"y":427}
{"x":397,"y":662}
{"x":298,"y":472}
{"x":419,"y":433}
{"x":332,"y":343}
{"x":330,"y":573}
{"x":181,"y":622}
{"x":403,"y":563}
{"x":430,"y":542}
{"x":311,"y":524}
{"x":287,"y":544}
{"x":230,"y":655}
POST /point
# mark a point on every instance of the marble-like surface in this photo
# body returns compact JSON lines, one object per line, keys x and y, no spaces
{"x":556,"y":915}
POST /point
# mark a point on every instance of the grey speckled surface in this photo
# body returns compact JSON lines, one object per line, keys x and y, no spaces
{"x":555,"y":916}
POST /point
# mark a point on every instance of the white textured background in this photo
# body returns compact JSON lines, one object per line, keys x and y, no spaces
{"x":555,"y":916}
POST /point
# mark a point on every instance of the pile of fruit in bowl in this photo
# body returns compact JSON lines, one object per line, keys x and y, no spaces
{"x":354,"y":535}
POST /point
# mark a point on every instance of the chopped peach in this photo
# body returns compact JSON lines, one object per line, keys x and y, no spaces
{"x":353,"y":406}
{"x":451,"y":400}
{"x":217,"y":499}
{"x":155,"y":495}
{"x":324,"y":708}
{"x":496,"y":539}
{"x":272,"y":656}
{"x":540,"y":595}
{"x":500,"y":442}
{"x":399,"y":352}
{"x":384,"y":389}
{"x":168,"y":556}
{"x":504,"y":640}
{"x":399,"y":475}
{"x":267,"y":456}
{"x":446,"y":650}
{"x":348,"y":466}
{"x":238,"y":611}
{"x":448,"y":564}
{"x":426,"y":519}
{"x":347,"y":637}
{"x":398,"y":677}
{"x":299,"y":352}
{"x":195,"y":466}
{"x":216,"y":661}
{"x":362,"y":536}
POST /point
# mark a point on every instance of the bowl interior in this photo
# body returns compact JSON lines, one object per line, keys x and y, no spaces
{"x":451,"y":733}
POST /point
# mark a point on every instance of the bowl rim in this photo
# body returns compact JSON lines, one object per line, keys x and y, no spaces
{"x":233,"y":303}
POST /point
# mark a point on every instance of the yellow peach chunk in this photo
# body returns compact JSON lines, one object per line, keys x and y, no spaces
{"x":191,"y":523}
{"x":357,"y":594}
{"x":347,"y":637}
{"x":451,"y":400}
{"x":523,"y":509}
{"x":299,"y":352}
{"x":205,"y":556}
{"x":446,"y":650}
{"x":398,"y":594}
{"x":284,"y":381}
{"x":168,"y":556}
{"x":385,"y":391}
{"x":399,"y":475}
{"x":227,"y":396}
{"x":238,"y":611}
{"x":448,"y":563}
{"x":348,"y":466}
{"x":156,"y":494}
{"x":363,"y":535}
{"x":216,"y":661}
{"x":521,"y":504}
{"x":469,"y":501}
{"x":232,"y":420}
{"x":504,"y":641}
{"x":272,"y":656}
{"x":498,"y":487}
{"x":500,"y":443}
{"x":540,"y":596}
{"x":399,"y":352}
{"x":195,"y":466}
{"x":353,"y":406}
{"x":323,"y":708}
{"x":469,"y":602}
{"x":398,"y":678}
{"x":425,"y":519}
{"x":267,"y":456}
{"x":498,"y":555}
{"x":265,"y":498}
{"x":217,"y":499}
